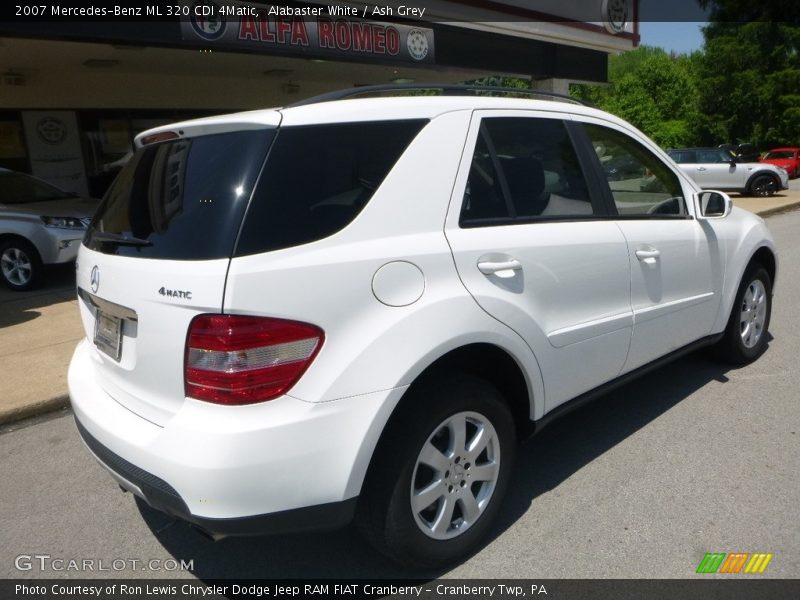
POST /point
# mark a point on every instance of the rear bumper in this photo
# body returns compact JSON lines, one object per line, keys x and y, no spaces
{"x":283,"y":465}
{"x":162,"y":496}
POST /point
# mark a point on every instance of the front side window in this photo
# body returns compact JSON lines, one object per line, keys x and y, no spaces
{"x":683,"y":156}
{"x":523,"y":169}
{"x":713,"y":156}
{"x":640,"y":184}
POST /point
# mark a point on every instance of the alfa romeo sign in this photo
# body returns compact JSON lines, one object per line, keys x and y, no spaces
{"x":310,"y":31}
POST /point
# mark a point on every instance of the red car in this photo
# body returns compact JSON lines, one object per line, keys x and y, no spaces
{"x":786,"y":158}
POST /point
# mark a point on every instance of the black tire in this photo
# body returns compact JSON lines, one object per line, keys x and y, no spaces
{"x":732,"y":347}
{"x":763,"y":186}
{"x":385,"y":515}
{"x":20,"y":264}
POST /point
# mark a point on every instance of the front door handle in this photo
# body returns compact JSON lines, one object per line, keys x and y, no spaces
{"x":701,"y":168}
{"x":502,"y":269}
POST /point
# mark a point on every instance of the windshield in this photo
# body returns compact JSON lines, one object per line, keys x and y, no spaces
{"x":18,"y":188}
{"x":780,"y":154}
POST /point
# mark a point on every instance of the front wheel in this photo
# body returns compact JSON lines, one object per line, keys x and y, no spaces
{"x":764,"y":185}
{"x":440,"y":472}
{"x":745,"y":337}
{"x":20,"y":265}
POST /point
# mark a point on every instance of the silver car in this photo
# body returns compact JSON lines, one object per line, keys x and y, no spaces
{"x":716,"y":168}
{"x":39,"y":225}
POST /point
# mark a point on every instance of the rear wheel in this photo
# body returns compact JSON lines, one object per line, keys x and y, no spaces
{"x":745,"y":337}
{"x":20,"y":265}
{"x":439,"y":473}
{"x":763,"y":185}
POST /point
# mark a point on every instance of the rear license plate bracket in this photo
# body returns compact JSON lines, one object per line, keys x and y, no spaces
{"x":108,"y":334}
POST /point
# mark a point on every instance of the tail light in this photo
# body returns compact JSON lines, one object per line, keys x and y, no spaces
{"x":232,"y":359}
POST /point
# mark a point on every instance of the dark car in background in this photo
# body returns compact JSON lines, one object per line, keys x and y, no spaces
{"x":745,"y":152}
{"x":40,"y":224}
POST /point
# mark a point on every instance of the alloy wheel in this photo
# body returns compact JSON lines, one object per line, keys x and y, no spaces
{"x":764,"y":186}
{"x":753,"y":314}
{"x":16,"y":266}
{"x":455,"y":475}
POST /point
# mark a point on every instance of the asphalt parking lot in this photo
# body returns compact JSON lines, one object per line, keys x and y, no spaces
{"x":694,"y":458}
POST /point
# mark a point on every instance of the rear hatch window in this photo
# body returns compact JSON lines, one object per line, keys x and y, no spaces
{"x":182,"y":199}
{"x":318,"y":178}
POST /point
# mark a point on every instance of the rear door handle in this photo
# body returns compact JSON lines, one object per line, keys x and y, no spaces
{"x":701,"y":168}
{"x":648,"y":256}
{"x":502,"y":269}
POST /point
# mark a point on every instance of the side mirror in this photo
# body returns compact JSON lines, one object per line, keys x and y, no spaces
{"x":714,"y":205}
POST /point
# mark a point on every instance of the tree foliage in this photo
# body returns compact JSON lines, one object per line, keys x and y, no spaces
{"x":744,"y":86}
{"x":750,"y":75}
{"x":652,"y":90}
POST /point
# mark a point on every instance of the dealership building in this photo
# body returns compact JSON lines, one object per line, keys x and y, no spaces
{"x":75,"y":88}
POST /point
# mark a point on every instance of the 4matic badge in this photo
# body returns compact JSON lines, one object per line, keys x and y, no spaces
{"x":185,"y":294}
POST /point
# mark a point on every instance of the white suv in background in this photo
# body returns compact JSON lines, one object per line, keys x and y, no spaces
{"x":356,"y":307}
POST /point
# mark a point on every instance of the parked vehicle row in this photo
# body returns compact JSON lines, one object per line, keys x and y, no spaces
{"x":716,"y":168}
{"x":787,"y":158}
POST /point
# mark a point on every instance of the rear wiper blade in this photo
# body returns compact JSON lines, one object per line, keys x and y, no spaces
{"x":119,"y":239}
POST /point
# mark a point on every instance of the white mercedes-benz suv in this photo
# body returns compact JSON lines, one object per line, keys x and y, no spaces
{"x":356,"y":307}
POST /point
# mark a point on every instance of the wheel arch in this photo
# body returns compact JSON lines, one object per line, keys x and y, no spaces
{"x":5,"y":237}
{"x":766,"y":257}
{"x":759,"y":173}
{"x":495,"y":365}
{"x":486,"y":360}
{"x":763,"y":254}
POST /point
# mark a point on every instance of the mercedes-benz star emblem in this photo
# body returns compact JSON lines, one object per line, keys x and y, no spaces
{"x":95,"y":279}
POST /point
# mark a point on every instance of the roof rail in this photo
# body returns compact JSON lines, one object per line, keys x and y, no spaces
{"x":446,"y":89}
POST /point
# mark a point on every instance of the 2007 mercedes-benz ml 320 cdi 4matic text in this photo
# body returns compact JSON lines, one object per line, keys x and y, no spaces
{"x":354,"y":308}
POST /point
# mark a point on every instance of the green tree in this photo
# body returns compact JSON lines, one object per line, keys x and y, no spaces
{"x":751,"y":72}
{"x":750,"y":75}
{"x":654,"y":91}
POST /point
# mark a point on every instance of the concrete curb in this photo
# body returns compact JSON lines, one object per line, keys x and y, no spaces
{"x":778,"y":209}
{"x":58,"y":402}
{"x":33,"y":409}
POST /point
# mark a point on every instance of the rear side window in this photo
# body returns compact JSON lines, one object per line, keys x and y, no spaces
{"x":181,"y":200}
{"x":318,"y":178}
